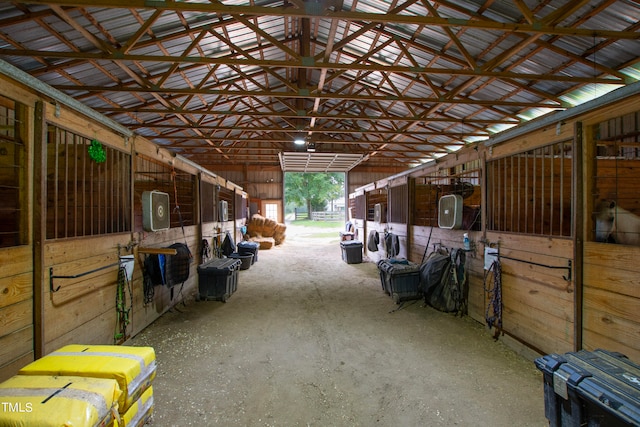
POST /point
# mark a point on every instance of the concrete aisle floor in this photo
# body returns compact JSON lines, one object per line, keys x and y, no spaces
{"x":308,"y":340}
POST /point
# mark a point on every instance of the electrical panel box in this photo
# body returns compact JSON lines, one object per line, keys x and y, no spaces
{"x":155,"y":211}
{"x":450,"y":211}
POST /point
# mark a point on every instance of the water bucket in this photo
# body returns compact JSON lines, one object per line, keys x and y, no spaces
{"x":244,"y":258}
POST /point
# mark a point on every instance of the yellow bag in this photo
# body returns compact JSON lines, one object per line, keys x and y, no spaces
{"x":43,"y":401}
{"x":139,"y":413}
{"x":132,"y":367}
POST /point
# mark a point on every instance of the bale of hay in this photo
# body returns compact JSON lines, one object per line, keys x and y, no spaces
{"x":268,"y":227}
{"x":255,"y":226}
{"x":260,"y":228}
{"x":264,"y":242}
{"x":279,"y":233}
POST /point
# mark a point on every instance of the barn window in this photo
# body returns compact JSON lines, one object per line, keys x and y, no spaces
{"x":616,"y":204}
{"x":154,"y":175}
{"x":13,"y":201}
{"x":398,"y":199}
{"x":241,"y":208}
{"x":228,"y":196}
{"x":531,"y":192}
{"x":358,"y":205}
{"x":377,"y":197}
{"x":207,"y":201}
{"x":84,"y":197}
{"x":463,"y":179}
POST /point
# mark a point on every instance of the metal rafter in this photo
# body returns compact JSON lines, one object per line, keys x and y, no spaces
{"x":235,"y":83}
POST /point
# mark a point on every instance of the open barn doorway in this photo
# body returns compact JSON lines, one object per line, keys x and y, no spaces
{"x":315,"y":200}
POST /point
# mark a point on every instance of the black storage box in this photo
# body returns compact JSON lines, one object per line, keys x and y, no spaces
{"x":246,"y":247}
{"x":351,"y":251}
{"x":218,"y":279}
{"x":400,"y":279}
{"x":598,"y":388}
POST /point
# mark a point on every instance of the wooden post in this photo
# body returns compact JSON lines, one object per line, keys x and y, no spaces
{"x":39,"y":227}
{"x":580,"y":188}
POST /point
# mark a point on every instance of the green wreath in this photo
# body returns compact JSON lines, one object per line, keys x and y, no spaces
{"x":97,"y":152}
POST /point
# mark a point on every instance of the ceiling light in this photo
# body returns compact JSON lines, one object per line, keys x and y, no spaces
{"x":299,"y":141}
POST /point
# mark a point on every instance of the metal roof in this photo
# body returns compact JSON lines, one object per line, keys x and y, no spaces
{"x":388,"y":83}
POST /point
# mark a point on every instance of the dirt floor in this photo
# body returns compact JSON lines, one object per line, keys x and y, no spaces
{"x":309,"y":340}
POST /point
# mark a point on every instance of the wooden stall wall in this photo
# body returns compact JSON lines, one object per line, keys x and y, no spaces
{"x":375,"y":223}
{"x":529,"y":214}
{"x":84,"y":230}
{"x":358,"y":215}
{"x":398,"y":214}
{"x":210,"y":228}
{"x":16,"y":237}
{"x":460,"y":174}
{"x":565,"y":285}
{"x":611,"y":289}
{"x":66,"y":318}
{"x":78,"y":185}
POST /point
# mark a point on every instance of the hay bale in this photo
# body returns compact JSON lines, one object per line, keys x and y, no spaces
{"x":279,"y":234}
{"x":264,"y":242}
{"x":260,"y":227}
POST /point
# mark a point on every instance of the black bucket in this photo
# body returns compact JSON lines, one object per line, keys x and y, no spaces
{"x":244,"y":258}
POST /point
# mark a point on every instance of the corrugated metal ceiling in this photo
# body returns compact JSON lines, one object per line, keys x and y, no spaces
{"x":391,"y":83}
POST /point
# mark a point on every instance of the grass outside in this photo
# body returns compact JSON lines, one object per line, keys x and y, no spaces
{"x":317,"y":224}
{"x":316,"y":229}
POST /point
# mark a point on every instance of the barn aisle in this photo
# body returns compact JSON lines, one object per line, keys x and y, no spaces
{"x":308,"y":340}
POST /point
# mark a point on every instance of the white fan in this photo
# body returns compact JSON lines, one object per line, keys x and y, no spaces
{"x":378,"y":213}
{"x":224,"y":210}
{"x":450,"y":211}
{"x":155,"y":211}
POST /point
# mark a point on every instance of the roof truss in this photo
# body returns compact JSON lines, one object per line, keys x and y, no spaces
{"x":390,"y":82}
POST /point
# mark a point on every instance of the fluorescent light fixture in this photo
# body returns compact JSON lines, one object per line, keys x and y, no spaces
{"x":299,"y":141}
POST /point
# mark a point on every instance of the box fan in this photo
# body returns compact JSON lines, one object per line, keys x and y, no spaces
{"x":450,"y":211}
{"x":378,"y":213}
{"x":155,"y":211}
{"x":223,"y":210}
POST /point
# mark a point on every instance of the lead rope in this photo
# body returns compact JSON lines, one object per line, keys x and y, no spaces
{"x":124,"y":311}
{"x":495,"y":299}
{"x":174,"y":176}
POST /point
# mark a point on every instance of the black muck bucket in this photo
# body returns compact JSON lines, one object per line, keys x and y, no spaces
{"x":246,"y":259}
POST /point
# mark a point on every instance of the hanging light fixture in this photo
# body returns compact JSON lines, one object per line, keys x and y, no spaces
{"x":299,"y":141}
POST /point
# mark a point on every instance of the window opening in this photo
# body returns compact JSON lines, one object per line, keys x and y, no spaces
{"x":154,"y":175}
{"x":463,"y":179}
{"x":84,"y":197}
{"x":13,"y":202}
{"x":616,"y":205}
{"x":531,"y":192}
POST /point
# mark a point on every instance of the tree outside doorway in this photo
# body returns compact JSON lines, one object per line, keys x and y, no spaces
{"x":315,"y":192}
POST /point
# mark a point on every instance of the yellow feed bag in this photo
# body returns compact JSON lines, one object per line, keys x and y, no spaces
{"x":53,"y":401}
{"x":139,"y":413}
{"x":132,"y":367}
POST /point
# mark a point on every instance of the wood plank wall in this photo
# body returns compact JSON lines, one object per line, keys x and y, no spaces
{"x":610,"y":291}
{"x":544,"y":309}
{"x":16,"y":309}
{"x":16,"y":275}
{"x":611,"y":298}
{"x":82,"y":309}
